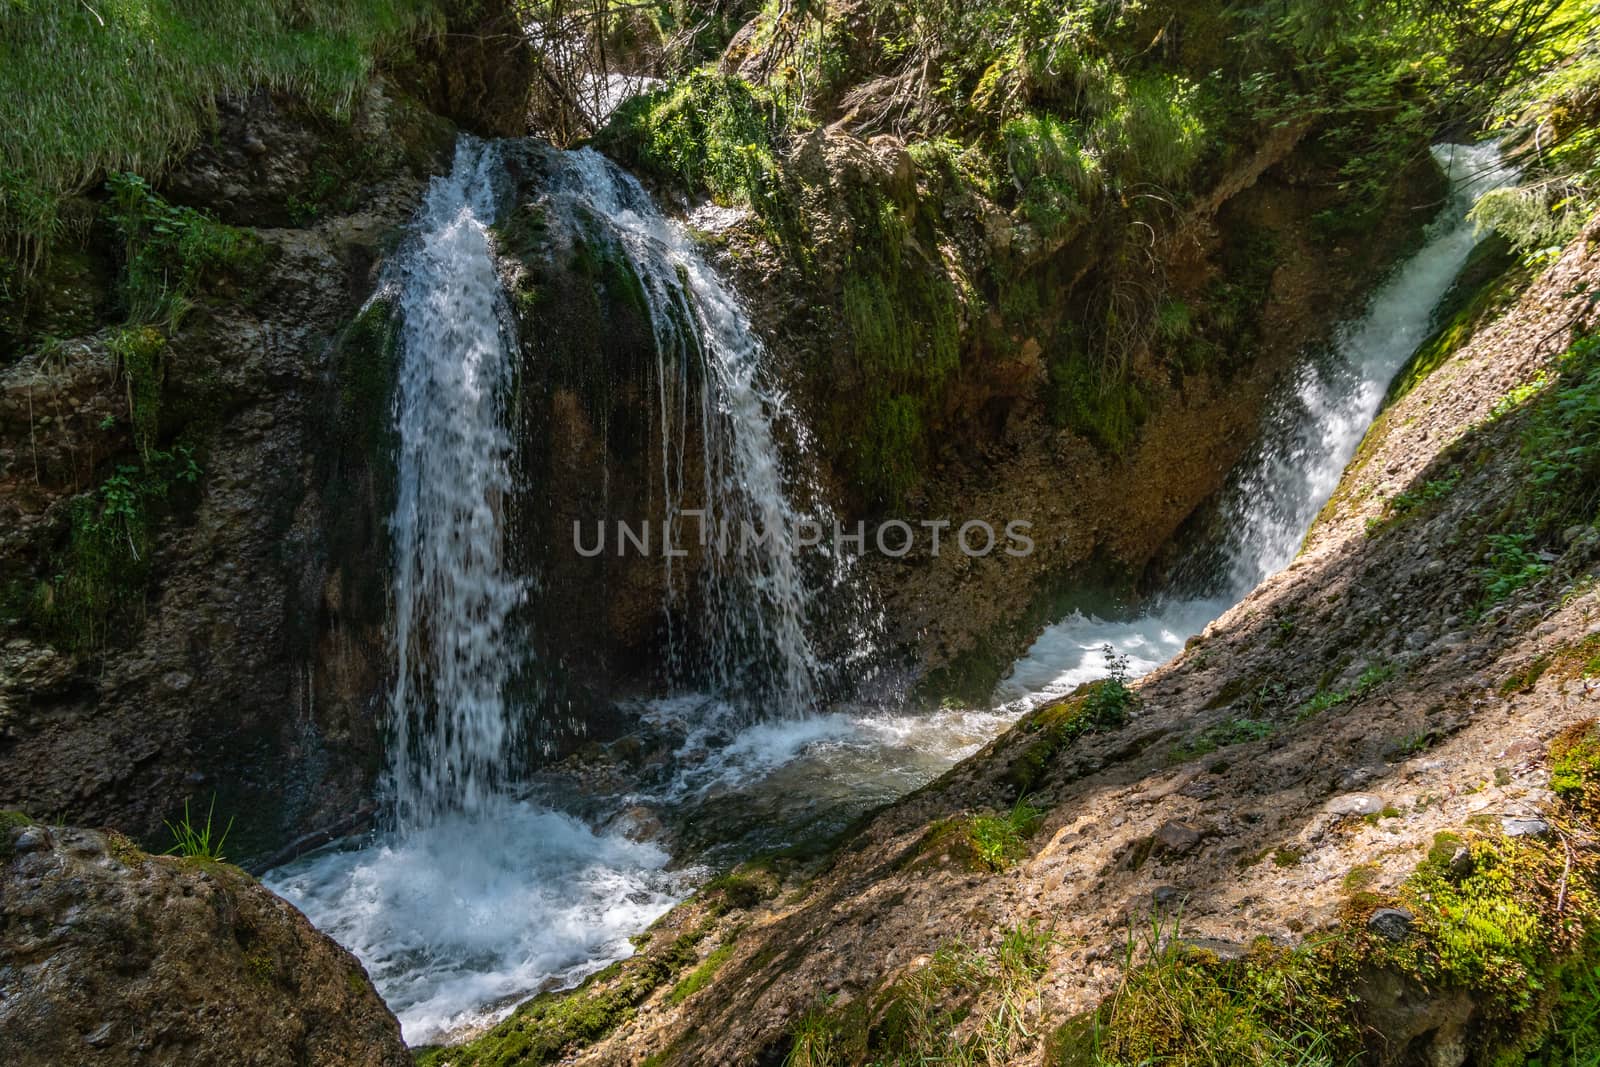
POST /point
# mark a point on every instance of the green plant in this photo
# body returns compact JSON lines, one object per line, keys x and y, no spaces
{"x":963,"y":1005}
{"x":1055,"y":176}
{"x":1510,"y":565}
{"x":105,"y":564}
{"x":91,"y":89}
{"x":702,"y":975}
{"x":170,"y":253}
{"x":1369,"y":679}
{"x":195,"y":841}
{"x":1000,"y":840}
{"x":1181,"y":1005}
{"x":708,"y":131}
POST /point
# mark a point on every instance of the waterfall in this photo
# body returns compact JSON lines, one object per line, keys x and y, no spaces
{"x":1312,"y":428}
{"x":755,"y":595}
{"x":477,"y":895}
{"x":478,"y":904}
{"x":452,"y":596}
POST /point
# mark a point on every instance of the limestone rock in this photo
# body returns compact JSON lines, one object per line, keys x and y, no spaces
{"x":1354,"y":804}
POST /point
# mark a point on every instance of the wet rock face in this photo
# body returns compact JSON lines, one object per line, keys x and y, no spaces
{"x":247,"y":666}
{"x":110,"y":956}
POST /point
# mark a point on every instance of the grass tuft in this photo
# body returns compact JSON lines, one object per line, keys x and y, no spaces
{"x":198,"y":841}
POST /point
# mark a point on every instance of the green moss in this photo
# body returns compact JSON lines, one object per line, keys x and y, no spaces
{"x":1287,"y":856}
{"x":1104,"y":405}
{"x":708,"y":132}
{"x":549,"y":1026}
{"x":1056,"y":175}
{"x":1486,"y":301}
{"x":104,"y":568}
{"x":172,"y":255}
{"x":1223,"y":735}
{"x":989,"y":842}
{"x":262,"y":970}
{"x":1575,"y":768}
{"x":1094,"y":707}
{"x":139,"y":351}
{"x":901,"y":315}
{"x":365,"y":365}
{"x":741,"y":888}
{"x":702,"y":975}
{"x":1360,"y":877}
{"x":1524,"y":680}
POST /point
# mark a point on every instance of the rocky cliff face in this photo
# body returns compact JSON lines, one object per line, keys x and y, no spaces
{"x":112,"y":956}
{"x":1379,"y":745}
{"x":194,"y":556}
{"x":1100,"y":510}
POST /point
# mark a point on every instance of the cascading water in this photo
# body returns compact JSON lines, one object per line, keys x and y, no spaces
{"x":477,"y":895}
{"x":1311,"y":430}
{"x":755,"y":598}
{"x":457,"y":920}
{"x":474,"y":896}
{"x":452,"y":595}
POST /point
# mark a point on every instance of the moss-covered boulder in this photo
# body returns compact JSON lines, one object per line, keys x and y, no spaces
{"x":111,"y":956}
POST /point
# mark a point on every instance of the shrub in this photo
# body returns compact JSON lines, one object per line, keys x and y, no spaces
{"x":707,"y":132}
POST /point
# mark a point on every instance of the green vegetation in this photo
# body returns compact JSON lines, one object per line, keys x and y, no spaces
{"x":708,"y":131}
{"x":103,"y":570}
{"x":1509,"y":565}
{"x":1560,"y":106}
{"x":171,"y":253}
{"x":1240,"y":731}
{"x":1512,"y":922}
{"x":1184,"y":1006}
{"x":988,"y":842}
{"x":1575,"y":768}
{"x":1419,"y":499}
{"x":90,"y":89}
{"x":1560,"y":448}
{"x":1094,"y":707}
{"x":1369,"y":680}
{"x":1505,"y":920}
{"x":548,"y":1028}
{"x":196,"y":841}
{"x":701,"y":976}
{"x":963,"y":1005}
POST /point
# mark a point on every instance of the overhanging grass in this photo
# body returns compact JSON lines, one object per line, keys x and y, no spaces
{"x":125,"y":84}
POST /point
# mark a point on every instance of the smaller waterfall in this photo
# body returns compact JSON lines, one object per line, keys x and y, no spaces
{"x":1312,"y":429}
{"x":452,"y":596}
{"x":756,"y":595}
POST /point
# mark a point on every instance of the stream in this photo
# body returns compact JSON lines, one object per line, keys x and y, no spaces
{"x":484,"y":888}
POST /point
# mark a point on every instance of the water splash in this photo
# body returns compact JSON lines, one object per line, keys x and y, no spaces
{"x":452,"y":595}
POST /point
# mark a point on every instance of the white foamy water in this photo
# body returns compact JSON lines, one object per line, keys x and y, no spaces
{"x":464,"y":915}
{"x":449,"y":724}
{"x":458,"y":921}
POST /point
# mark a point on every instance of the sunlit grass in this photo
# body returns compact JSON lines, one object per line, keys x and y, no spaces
{"x":87,"y":88}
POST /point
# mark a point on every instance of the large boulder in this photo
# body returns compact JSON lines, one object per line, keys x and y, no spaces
{"x":112,"y":956}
